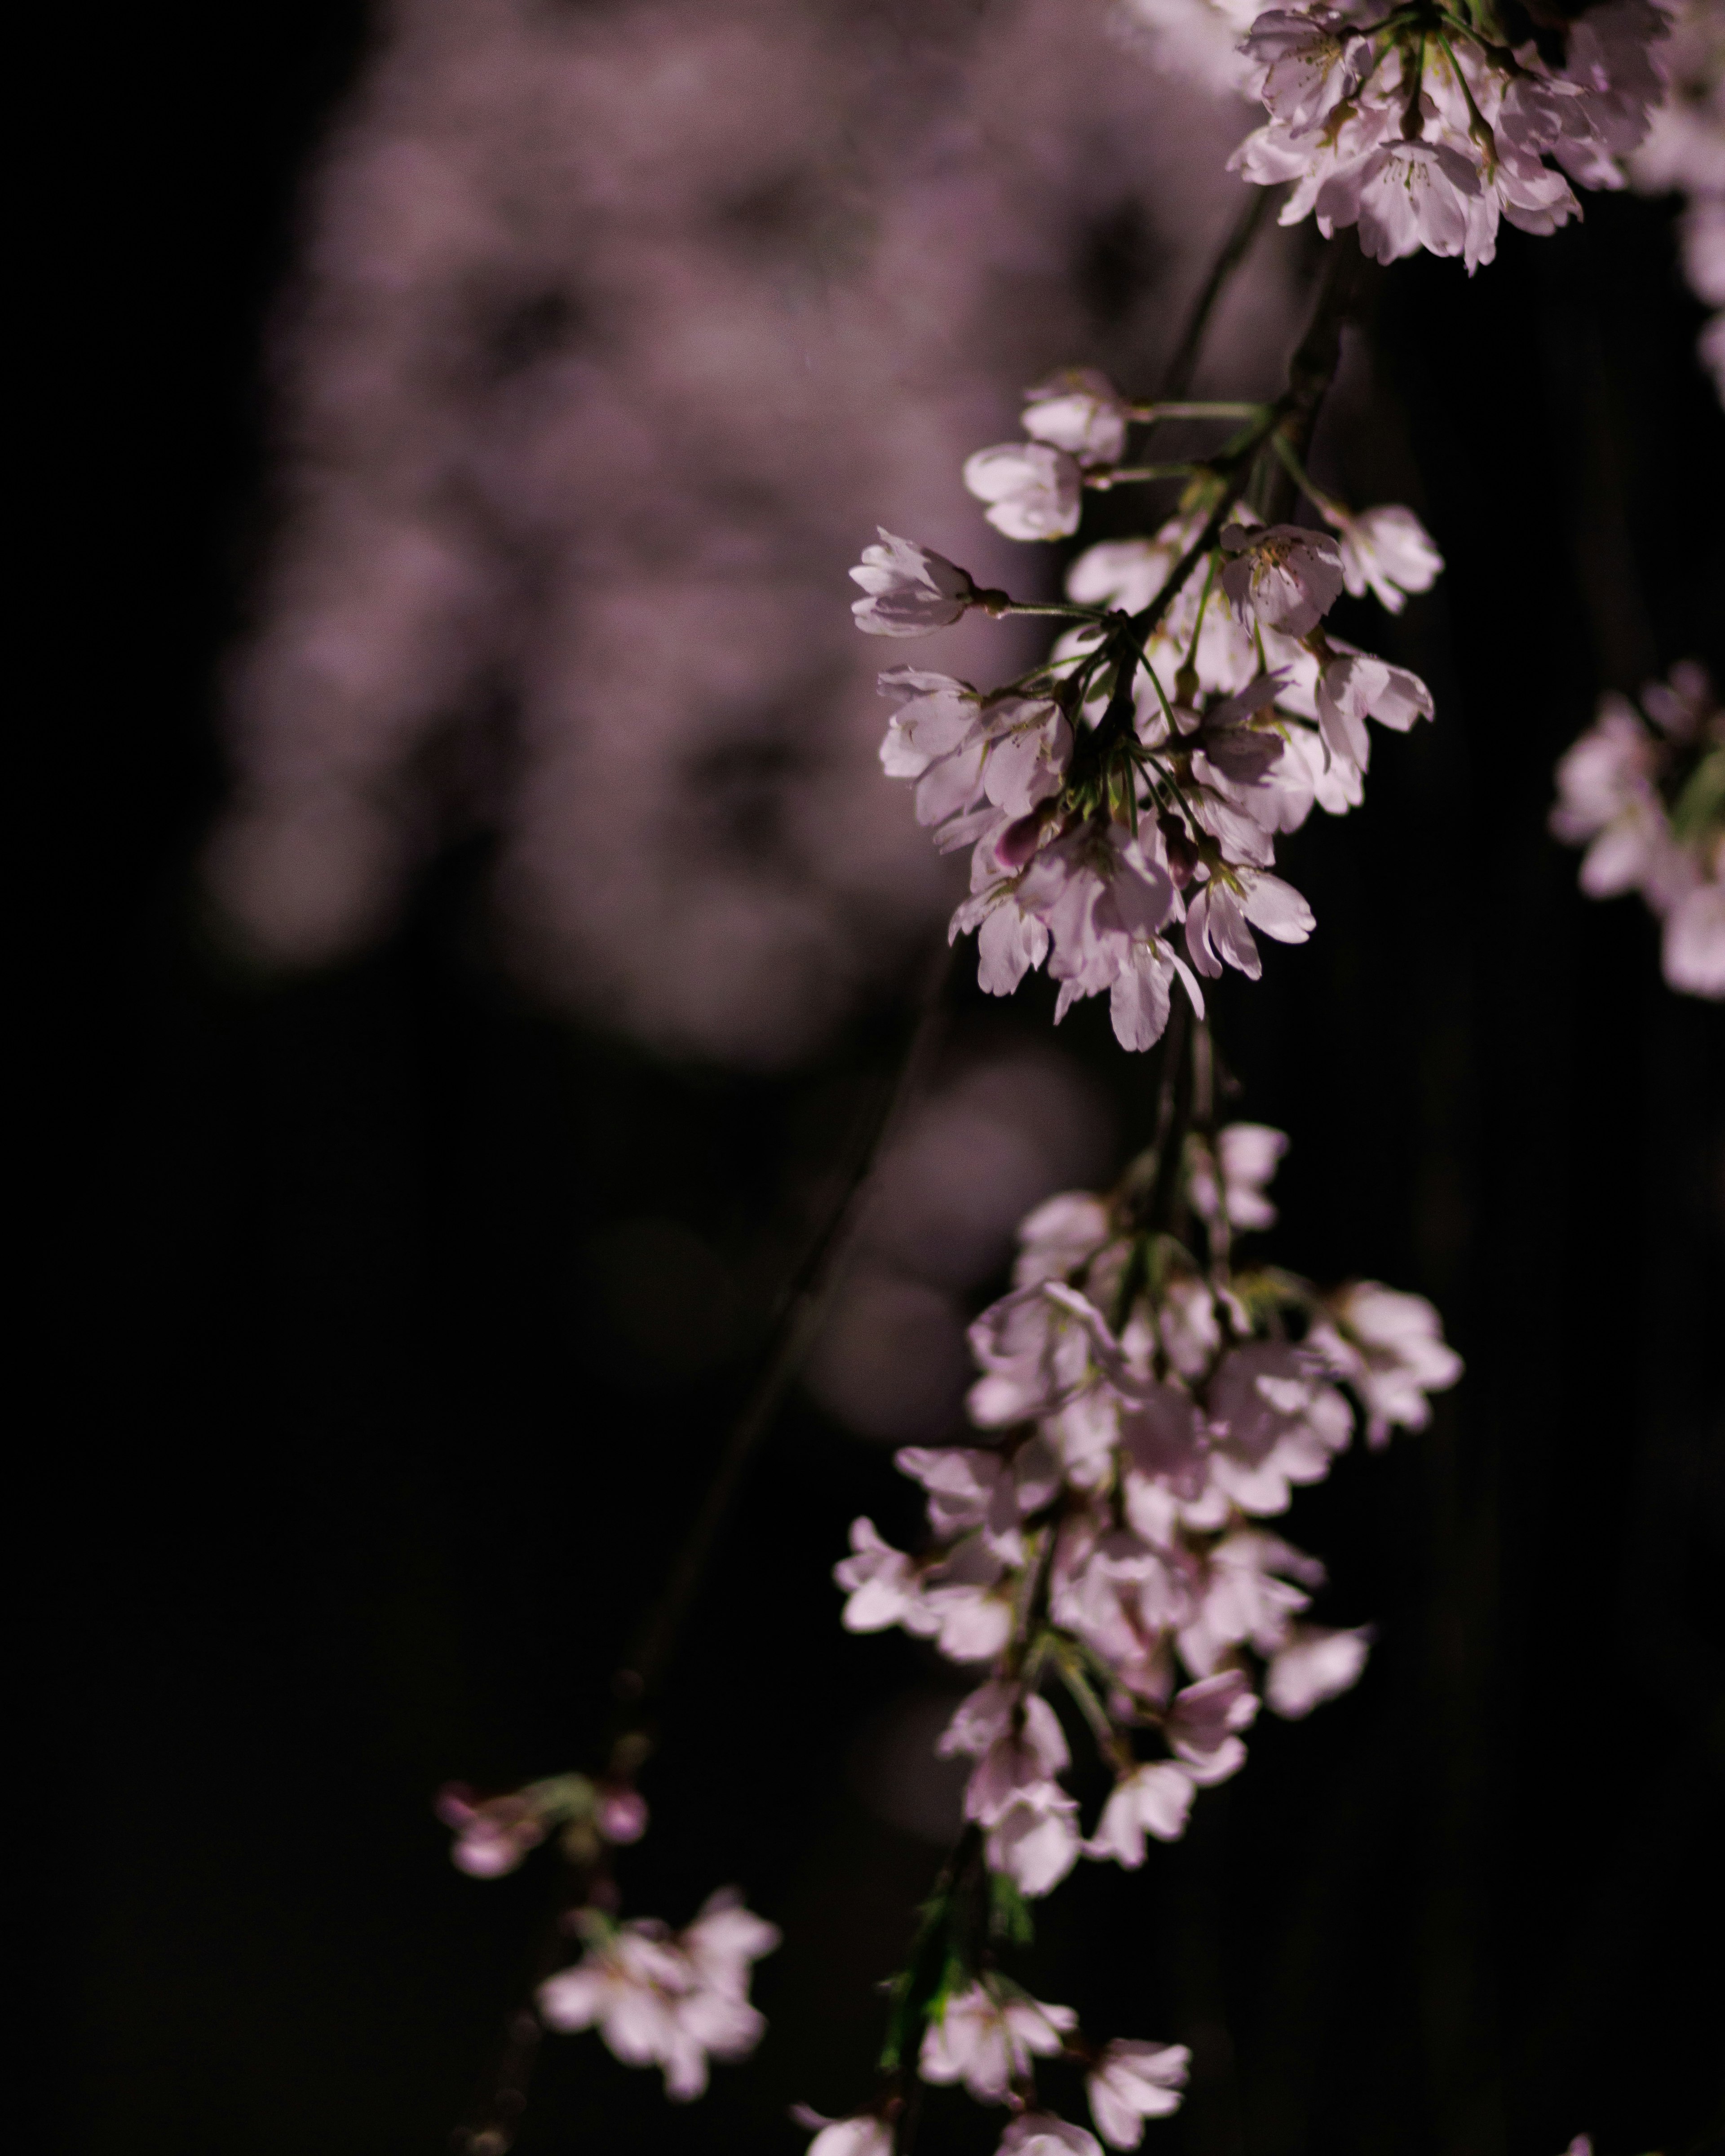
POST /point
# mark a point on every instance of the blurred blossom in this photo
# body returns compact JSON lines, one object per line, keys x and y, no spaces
{"x":991,"y":1138}
{"x":616,"y":331}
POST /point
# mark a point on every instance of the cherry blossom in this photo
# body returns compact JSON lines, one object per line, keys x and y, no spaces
{"x":1386,"y":551}
{"x":1314,"y":1665}
{"x":1032,"y":490}
{"x":1034,"y":1840}
{"x":1040,"y":2133}
{"x":492,"y":1836}
{"x":911,"y":590}
{"x":1152,"y":1799}
{"x":672,"y":2001}
{"x":1648,"y":802}
{"x":986,"y":2038}
{"x":1133,"y":2081}
{"x":1283,"y":575}
{"x":1426,"y":137}
{"x":883,"y":1586}
{"x":1390,"y":1348}
{"x":1079,"y":411}
{"x":866,"y":2135}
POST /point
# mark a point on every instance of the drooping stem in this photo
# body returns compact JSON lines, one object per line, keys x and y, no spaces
{"x":796,"y":1319}
{"x":1177,"y":376}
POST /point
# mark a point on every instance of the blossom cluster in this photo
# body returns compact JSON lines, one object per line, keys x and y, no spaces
{"x":1645,"y":794}
{"x":987,"y":2038}
{"x":664,"y":1998}
{"x":1121,"y":803}
{"x":1425,"y":126}
{"x":1146,"y":1407}
{"x":1684,"y":153}
{"x":658,"y":1997}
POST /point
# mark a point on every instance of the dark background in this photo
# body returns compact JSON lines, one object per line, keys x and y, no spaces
{"x":350,"y":1473}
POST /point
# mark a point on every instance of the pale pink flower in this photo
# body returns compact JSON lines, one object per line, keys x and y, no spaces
{"x":665,"y":2000}
{"x":867,"y":2135}
{"x":1141,"y":993}
{"x":1079,"y":411}
{"x":1354,"y":687}
{"x":1131,"y":2082}
{"x":1311,"y":57}
{"x":1027,"y":1753}
{"x":911,"y":590}
{"x":1058,"y":1236}
{"x":965,"y":1489}
{"x":1040,"y":1346}
{"x":1034,"y":1841}
{"x":1040,"y":2133}
{"x":1314,"y":1665}
{"x":1203,"y":1724}
{"x":493,"y":1836}
{"x":1388,"y":551}
{"x":969,"y":1604}
{"x":1115,"y":1592}
{"x":1282,"y":575}
{"x":883,"y":1587}
{"x":987,"y":2038}
{"x":1693,"y":949}
{"x":1243,"y":1597}
{"x":1099,"y":891}
{"x":1402,"y":196}
{"x":1274,"y":1423}
{"x":1247,"y":1154}
{"x":1391,"y":1347}
{"x":1032,"y":490}
{"x":1218,"y":914}
{"x":725,"y":1941}
{"x":1152,"y":1799}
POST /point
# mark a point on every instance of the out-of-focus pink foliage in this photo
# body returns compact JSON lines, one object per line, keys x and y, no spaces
{"x":616,"y":328}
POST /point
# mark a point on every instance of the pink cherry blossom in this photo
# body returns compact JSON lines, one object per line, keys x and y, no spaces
{"x":867,"y":2135}
{"x":1026,"y":1754}
{"x":1032,"y":490}
{"x":1131,"y":2082}
{"x":1314,"y":1665}
{"x":1282,"y":575}
{"x":911,"y":590}
{"x":883,"y":1587}
{"x":1694,"y":950}
{"x":1248,"y":1155}
{"x":986,"y":2038}
{"x":493,"y":1836}
{"x":1216,"y":921}
{"x":1040,"y":2133}
{"x":1079,"y":411}
{"x":1313,"y":58}
{"x":1390,"y":1348}
{"x":673,"y":2001}
{"x":1203,"y":1725}
{"x":1387,"y":550}
{"x":1034,"y":1841}
{"x":1152,"y":1799}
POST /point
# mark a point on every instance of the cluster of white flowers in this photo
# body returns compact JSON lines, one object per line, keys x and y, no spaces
{"x":1423,"y":126}
{"x":1684,"y":153}
{"x":1125,"y":798}
{"x":665,"y":1999}
{"x":1648,"y":802}
{"x":1147,"y":1407}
